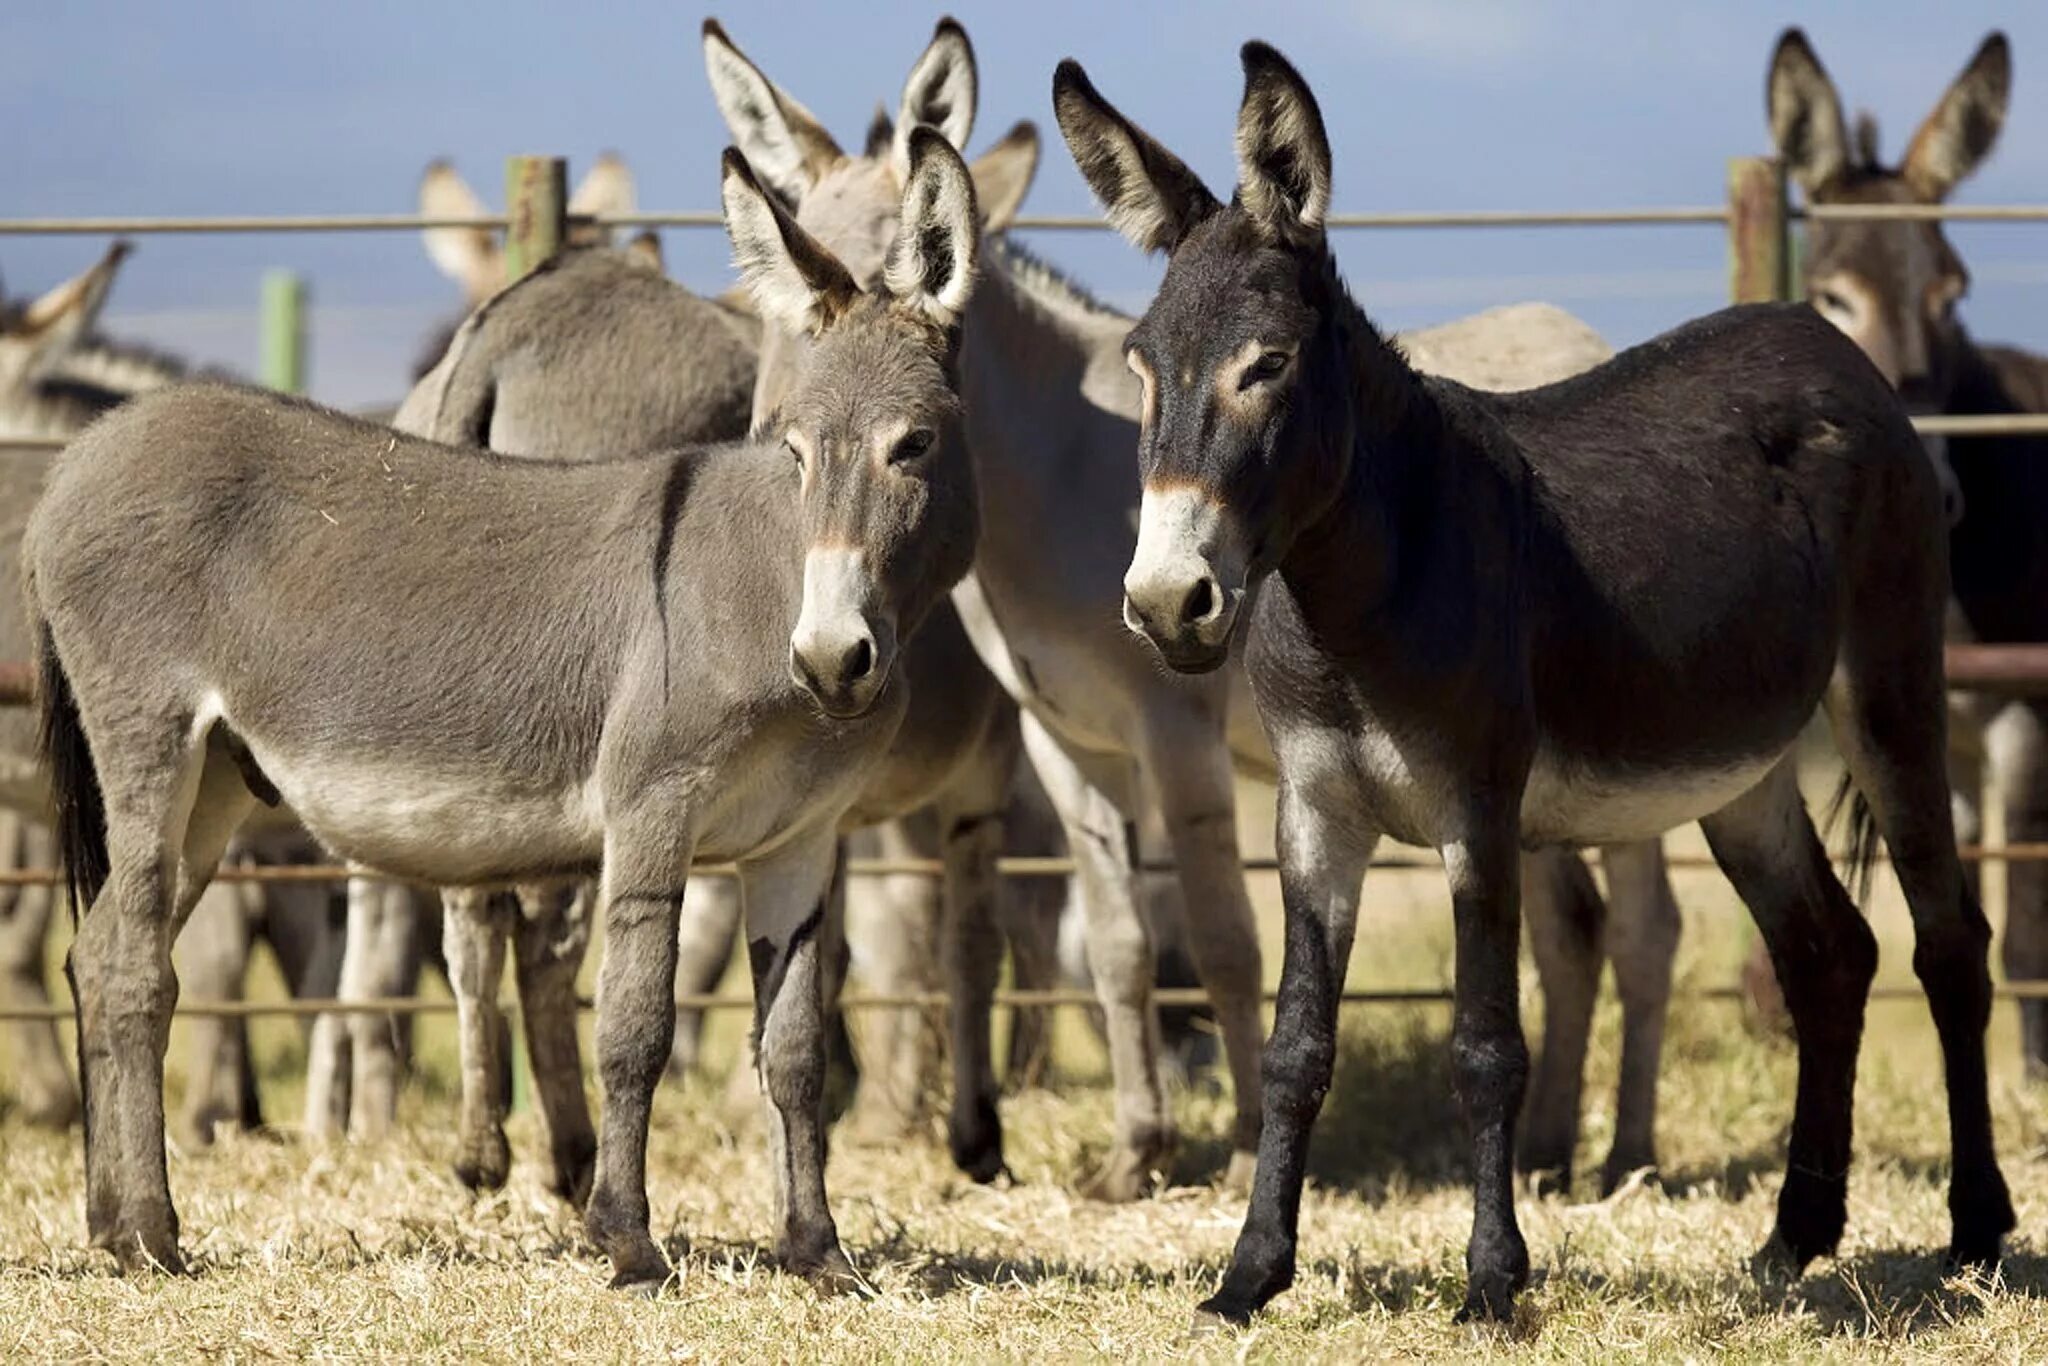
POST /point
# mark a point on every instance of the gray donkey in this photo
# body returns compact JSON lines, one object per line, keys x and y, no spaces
{"x":539,"y":670}
{"x":1725,"y":527}
{"x":595,"y":351}
{"x":56,"y":375}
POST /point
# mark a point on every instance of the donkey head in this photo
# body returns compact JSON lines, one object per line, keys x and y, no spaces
{"x":1235,"y":448}
{"x":852,"y":204}
{"x":474,"y":257}
{"x":872,"y":425}
{"x":36,"y":336}
{"x":1893,"y":286}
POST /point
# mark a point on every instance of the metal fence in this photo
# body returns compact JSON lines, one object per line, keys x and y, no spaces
{"x":1757,"y":217}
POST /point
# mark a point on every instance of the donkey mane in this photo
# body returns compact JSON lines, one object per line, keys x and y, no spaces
{"x":1045,"y":284}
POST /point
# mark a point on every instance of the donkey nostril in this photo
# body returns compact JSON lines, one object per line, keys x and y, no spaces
{"x":859,"y":661}
{"x":1200,"y":603}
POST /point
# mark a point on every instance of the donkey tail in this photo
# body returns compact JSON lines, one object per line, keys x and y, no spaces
{"x":74,"y":782}
{"x":1861,"y":853}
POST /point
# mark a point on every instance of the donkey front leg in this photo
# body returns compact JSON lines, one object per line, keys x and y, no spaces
{"x":1120,"y":960}
{"x":550,"y":938}
{"x":1190,"y":768}
{"x":707,"y":930}
{"x":786,"y":898}
{"x":971,"y":821}
{"x":474,"y":926}
{"x":377,"y":963}
{"x":646,"y":867}
{"x":1325,"y":847}
{"x":42,"y":1079}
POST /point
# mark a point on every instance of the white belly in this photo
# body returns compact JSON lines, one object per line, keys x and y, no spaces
{"x":1571,"y":803}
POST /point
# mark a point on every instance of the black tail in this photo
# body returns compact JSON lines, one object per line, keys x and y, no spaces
{"x":1861,"y":853}
{"x":74,"y":782}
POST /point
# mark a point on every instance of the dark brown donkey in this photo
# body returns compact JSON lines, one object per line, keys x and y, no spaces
{"x":1894,"y":287}
{"x":1585,"y":613}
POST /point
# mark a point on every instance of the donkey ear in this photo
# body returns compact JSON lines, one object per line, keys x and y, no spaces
{"x":1806,"y":114}
{"x":941,"y":92}
{"x":1150,"y":194}
{"x":881,"y":134}
{"x":607,"y":187}
{"x":468,"y":256}
{"x":1002,"y":176}
{"x":1959,"y":133}
{"x":644,"y":251}
{"x":780,"y":138}
{"x":796,"y":283}
{"x":54,"y":323}
{"x":931,"y":261}
{"x":1283,"y":154}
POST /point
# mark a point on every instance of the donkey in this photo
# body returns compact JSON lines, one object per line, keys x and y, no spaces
{"x":540,"y":670}
{"x":1894,"y":287}
{"x":474,"y":258}
{"x":56,"y":375}
{"x":1429,"y":575}
{"x":594,"y":350}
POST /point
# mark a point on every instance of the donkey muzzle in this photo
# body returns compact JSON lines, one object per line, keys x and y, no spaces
{"x":1186,"y":581}
{"x":841,"y":651}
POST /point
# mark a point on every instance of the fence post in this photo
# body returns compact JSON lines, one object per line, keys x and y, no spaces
{"x":1759,"y":255}
{"x":283,"y":334}
{"x":537,"y":202}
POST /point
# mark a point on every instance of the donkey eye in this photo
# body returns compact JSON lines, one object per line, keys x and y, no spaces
{"x":1267,"y":366}
{"x":794,"y":451}
{"x":1831,"y":302}
{"x":911,"y":446}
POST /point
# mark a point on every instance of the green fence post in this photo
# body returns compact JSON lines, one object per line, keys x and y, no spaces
{"x":283,"y":339}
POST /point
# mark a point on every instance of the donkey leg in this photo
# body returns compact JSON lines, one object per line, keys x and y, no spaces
{"x":1824,"y":956}
{"x":1881,"y":716}
{"x":167,"y":826}
{"x":1565,"y":915}
{"x":710,"y":925}
{"x":474,"y":927}
{"x":377,"y":963}
{"x":893,"y":925}
{"x":1195,"y":788}
{"x":2018,"y":745}
{"x":1324,"y":850}
{"x":212,"y":957}
{"x":42,"y":1084}
{"x":647,"y":864}
{"x":971,"y":821}
{"x":1642,"y":939}
{"x":1119,"y":958}
{"x":1029,"y":910}
{"x":551,"y":936}
{"x":786,"y":901}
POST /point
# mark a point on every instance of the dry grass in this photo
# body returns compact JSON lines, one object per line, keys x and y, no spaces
{"x":336,"y":1252}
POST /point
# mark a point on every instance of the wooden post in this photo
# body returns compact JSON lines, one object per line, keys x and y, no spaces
{"x":283,"y":340}
{"x":1759,"y":255}
{"x":537,"y":201}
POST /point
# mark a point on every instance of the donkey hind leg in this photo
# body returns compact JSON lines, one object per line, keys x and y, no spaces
{"x":378,"y":962}
{"x":212,"y":957}
{"x":551,"y":936}
{"x":646,"y":867}
{"x":168,"y":823}
{"x":475,"y":924}
{"x":1194,"y":787}
{"x":2018,"y":745}
{"x":709,"y":928}
{"x":1119,"y":959}
{"x":1324,"y":851}
{"x":892,"y":927}
{"x":1642,"y":939}
{"x":1824,"y":956}
{"x":42,"y":1082}
{"x":786,"y":897}
{"x":1887,"y":722}
{"x":1566,"y":916}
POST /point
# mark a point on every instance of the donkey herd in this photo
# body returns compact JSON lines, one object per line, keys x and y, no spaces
{"x":638,"y":580}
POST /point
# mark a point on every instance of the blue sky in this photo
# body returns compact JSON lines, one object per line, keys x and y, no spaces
{"x":250,"y":106}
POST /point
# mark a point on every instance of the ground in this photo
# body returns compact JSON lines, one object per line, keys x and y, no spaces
{"x":377,"y":1252}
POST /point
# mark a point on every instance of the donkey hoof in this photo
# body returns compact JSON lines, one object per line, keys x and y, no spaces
{"x":145,"y":1254}
{"x":1217,"y":1315}
{"x":1125,"y":1175}
{"x":1775,"y":1263}
{"x":641,"y":1285}
{"x":484,"y":1169}
{"x":831,"y":1275}
{"x":1237,"y":1177}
